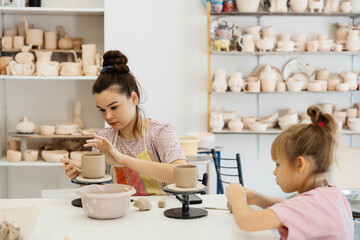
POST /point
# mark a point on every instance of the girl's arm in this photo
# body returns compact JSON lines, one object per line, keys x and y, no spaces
{"x":160,"y":171}
{"x":261,"y":200}
{"x":245,"y":217}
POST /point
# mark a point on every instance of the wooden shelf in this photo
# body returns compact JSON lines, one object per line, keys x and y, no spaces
{"x":237,"y":53}
{"x":52,"y":11}
{"x":43,"y":50}
{"x":39,"y":163}
{"x":52,"y":136}
{"x":273,"y":131}
{"x":287,"y":14}
{"x":71,"y":78}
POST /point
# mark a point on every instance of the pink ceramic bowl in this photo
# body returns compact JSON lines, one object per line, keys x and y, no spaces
{"x":106,"y":201}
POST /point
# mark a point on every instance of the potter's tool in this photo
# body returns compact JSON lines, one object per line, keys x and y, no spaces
{"x":215,"y":208}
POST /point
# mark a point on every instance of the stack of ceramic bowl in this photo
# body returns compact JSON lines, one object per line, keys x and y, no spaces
{"x":271,"y":120}
{"x":207,"y":139}
{"x":354,"y":124}
{"x":66,"y":128}
{"x":290,"y":118}
{"x":258,"y":126}
{"x":54,"y":155}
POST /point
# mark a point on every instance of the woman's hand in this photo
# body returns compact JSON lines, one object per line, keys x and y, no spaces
{"x":72,"y":168}
{"x":235,"y":192}
{"x":112,"y":155}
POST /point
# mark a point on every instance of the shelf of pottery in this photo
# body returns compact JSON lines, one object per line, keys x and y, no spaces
{"x":70,"y":136}
{"x":298,"y":76}
{"x":26,"y":39}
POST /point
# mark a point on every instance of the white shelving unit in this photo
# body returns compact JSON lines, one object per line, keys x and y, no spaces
{"x":45,"y":100}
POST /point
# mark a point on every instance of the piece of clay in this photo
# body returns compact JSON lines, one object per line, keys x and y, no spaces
{"x":143,"y":204}
{"x":228,"y":204}
{"x":162,"y":203}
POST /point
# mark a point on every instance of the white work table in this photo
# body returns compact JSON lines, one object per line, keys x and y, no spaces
{"x":59,"y":219}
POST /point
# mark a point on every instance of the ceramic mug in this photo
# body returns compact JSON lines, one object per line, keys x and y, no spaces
{"x":285,"y":37}
{"x":18,"y":42}
{"x":314,"y":86}
{"x":50,"y":40}
{"x":251,"y":86}
{"x":295,"y":86}
{"x":331,"y":83}
{"x":326,"y":107}
{"x":286,"y":46}
{"x":337,"y":47}
{"x":268,"y":85}
{"x":351,"y":112}
{"x":312,"y":46}
{"x":93,"y":165}
{"x":185,"y":176}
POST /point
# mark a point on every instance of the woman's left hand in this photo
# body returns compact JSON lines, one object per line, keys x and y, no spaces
{"x":235,"y":192}
{"x":112,"y":155}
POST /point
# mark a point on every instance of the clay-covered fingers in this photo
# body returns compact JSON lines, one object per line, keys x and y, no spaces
{"x":72,"y":173}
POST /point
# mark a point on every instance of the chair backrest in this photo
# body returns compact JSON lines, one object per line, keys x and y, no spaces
{"x":232,"y":172}
{"x":345,"y":173}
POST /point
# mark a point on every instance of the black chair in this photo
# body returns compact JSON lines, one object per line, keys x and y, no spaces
{"x":237,"y":175}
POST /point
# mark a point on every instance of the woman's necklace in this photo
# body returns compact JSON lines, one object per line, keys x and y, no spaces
{"x":129,"y":152}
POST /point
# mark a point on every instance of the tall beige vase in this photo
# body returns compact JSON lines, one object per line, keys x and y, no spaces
{"x":50,"y":40}
{"x":88,"y":54}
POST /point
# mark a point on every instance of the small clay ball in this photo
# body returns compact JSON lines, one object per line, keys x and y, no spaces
{"x":143,"y":204}
{"x":162,"y":203}
{"x":228,"y":204}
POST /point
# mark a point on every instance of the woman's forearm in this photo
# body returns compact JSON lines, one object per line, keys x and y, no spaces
{"x":159,"y":171}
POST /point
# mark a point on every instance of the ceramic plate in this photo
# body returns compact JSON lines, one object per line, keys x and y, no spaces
{"x":278,"y":71}
{"x":173,"y":187}
{"x":297,"y":65}
{"x":224,"y":21}
{"x":301,"y":76}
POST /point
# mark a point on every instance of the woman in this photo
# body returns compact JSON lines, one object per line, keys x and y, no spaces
{"x":141,"y":152}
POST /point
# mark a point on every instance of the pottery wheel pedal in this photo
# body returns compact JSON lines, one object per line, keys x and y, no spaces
{"x":87,"y":181}
{"x":185,"y":212}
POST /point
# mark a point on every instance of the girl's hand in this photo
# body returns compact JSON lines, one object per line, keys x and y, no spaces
{"x":235,"y":192}
{"x":72,"y":168}
{"x":251,"y":196}
{"x":105,"y":147}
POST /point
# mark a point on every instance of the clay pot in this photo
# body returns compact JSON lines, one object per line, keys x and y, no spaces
{"x":7,"y":42}
{"x":66,"y":128}
{"x":219,"y":84}
{"x":50,"y":40}
{"x":18,"y":42}
{"x":13,"y":156}
{"x":185,"y":176}
{"x":4,"y":62}
{"x":47,"y":130}
{"x":31,"y":155}
{"x":236,"y":82}
{"x":93,"y":165}
{"x":91,"y":70}
{"x":216,"y":121}
{"x":21,"y":29}
{"x":54,"y":155}
{"x":235,"y":124}
{"x":43,"y":56}
{"x":65,"y":42}
{"x":88,"y":54}
{"x":70,"y":69}
{"x":25,"y":126}
{"x":14,"y":145}
{"x":47,"y":68}
{"x":34,"y":37}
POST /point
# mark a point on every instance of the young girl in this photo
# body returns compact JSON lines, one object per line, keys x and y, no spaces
{"x":140,"y":152}
{"x":302,"y":153}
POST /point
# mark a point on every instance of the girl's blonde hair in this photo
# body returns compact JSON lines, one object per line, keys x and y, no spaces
{"x":317,"y":141}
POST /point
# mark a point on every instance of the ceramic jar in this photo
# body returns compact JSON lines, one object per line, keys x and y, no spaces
{"x":235,"y":124}
{"x":246,"y":43}
{"x":278,"y":6}
{"x":216,"y":121}
{"x":353,"y":40}
{"x":13,"y":156}
{"x":31,"y":155}
{"x":298,"y":6}
{"x":88,"y":54}
{"x":219,"y":84}
{"x":351,"y":78}
{"x":266,"y":44}
{"x":91,"y":70}
{"x":236,"y":82}
{"x":50,"y":40}
{"x":300,"y":41}
{"x":25,"y":126}
{"x":65,"y":42}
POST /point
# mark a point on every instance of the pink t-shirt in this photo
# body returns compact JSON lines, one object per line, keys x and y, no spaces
{"x":322,"y":213}
{"x":161,"y":139}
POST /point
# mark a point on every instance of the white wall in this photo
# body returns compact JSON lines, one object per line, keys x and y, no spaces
{"x":166,"y":47}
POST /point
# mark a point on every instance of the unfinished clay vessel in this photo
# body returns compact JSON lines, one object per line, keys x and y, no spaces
{"x":13,"y":155}
{"x":31,"y":155}
{"x":50,"y":40}
{"x":185,"y":176}
{"x":298,"y":6}
{"x":93,"y":165}
{"x":25,"y":56}
{"x":219,"y":84}
{"x":47,"y":130}
{"x":65,"y":42}
{"x":34,"y":37}
{"x":88,"y":54}
{"x":14,"y":145}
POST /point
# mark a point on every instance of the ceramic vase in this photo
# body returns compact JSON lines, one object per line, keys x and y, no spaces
{"x":220,"y":84}
{"x":88,"y":54}
{"x":353,"y":40}
{"x":298,"y":6}
{"x":235,"y":124}
{"x":50,"y":40}
{"x":236,"y":82}
{"x":216,"y":121}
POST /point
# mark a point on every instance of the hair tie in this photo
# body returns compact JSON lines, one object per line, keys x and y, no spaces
{"x":107,"y":67}
{"x":321,"y":124}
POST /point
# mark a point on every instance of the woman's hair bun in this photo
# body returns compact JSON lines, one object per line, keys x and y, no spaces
{"x":116,"y":59}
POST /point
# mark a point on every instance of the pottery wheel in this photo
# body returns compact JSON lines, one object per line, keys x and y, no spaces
{"x":172,"y":187}
{"x":81,"y":179}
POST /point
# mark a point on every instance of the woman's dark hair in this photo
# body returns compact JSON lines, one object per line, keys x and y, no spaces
{"x":116,"y":76}
{"x":318,"y":141}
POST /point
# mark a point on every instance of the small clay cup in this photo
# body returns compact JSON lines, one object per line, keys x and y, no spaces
{"x":185,"y":176}
{"x":14,"y":145}
{"x":93,"y":165}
